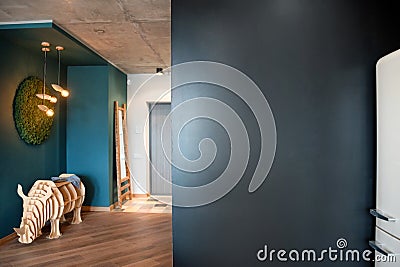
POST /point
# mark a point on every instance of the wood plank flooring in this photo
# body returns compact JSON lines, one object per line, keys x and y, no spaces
{"x":102,"y":239}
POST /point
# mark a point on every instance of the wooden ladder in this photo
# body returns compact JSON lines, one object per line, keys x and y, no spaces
{"x":124,"y":184}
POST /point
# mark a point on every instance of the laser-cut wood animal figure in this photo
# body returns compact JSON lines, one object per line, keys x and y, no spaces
{"x":48,"y":201}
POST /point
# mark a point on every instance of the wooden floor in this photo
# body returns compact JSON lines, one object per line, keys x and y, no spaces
{"x":102,"y":239}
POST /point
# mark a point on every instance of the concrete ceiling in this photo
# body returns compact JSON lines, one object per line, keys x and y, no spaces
{"x":135,"y":35}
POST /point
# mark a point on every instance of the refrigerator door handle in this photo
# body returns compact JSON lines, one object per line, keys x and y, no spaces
{"x":379,"y":247}
{"x":381,"y":215}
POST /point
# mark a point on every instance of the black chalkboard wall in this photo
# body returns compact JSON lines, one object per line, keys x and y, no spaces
{"x":314,"y":61}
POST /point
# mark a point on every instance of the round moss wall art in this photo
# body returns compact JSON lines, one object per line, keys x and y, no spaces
{"x":32,"y":124}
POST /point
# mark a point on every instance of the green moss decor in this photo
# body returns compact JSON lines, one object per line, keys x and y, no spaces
{"x":32,"y":124}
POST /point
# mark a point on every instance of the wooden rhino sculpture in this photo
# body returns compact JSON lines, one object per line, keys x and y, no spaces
{"x":48,"y":201}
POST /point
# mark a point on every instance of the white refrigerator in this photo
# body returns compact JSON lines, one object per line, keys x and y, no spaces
{"x":387,"y":211}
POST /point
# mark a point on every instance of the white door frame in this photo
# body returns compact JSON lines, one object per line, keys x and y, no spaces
{"x":147,"y":142}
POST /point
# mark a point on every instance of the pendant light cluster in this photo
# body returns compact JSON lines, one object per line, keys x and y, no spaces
{"x":49,"y":112}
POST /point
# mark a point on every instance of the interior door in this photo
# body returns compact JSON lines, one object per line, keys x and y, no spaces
{"x":160,"y":149}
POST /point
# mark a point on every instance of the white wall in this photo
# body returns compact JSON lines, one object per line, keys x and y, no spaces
{"x":142,"y":88}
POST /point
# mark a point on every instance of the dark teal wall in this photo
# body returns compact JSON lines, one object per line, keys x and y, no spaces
{"x":87,"y":133}
{"x":19,"y":162}
{"x":117,"y":92}
{"x":90,"y":128}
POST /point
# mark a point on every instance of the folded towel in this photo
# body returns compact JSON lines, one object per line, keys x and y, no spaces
{"x":75,"y":180}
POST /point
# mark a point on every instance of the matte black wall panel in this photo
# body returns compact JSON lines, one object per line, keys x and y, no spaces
{"x":315,"y":63}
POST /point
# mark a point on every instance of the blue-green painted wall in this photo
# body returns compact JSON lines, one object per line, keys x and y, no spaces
{"x":90,"y":128}
{"x":19,"y":162}
{"x":87,"y":133}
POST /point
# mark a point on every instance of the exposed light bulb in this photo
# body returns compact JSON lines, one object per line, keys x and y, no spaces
{"x":64,"y":93}
{"x":53,"y":99}
{"x":50,"y":112}
{"x":58,"y":88}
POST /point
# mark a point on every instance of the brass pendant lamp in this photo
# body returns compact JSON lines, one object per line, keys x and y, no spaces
{"x":57,"y":87}
{"x":49,"y":112}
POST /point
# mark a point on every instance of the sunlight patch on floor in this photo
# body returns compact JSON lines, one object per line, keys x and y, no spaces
{"x":147,"y":205}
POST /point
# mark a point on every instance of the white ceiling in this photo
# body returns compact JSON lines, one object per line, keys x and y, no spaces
{"x":135,"y":35}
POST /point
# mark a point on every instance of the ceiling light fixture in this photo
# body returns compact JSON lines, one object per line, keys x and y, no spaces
{"x":57,"y":86}
{"x":159,"y":71}
{"x":43,"y":96}
{"x":49,"y":112}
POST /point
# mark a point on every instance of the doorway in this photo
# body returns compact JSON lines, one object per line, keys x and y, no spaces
{"x":160,"y":149}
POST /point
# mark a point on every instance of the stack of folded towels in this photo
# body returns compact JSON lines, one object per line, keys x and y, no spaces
{"x":75,"y":180}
